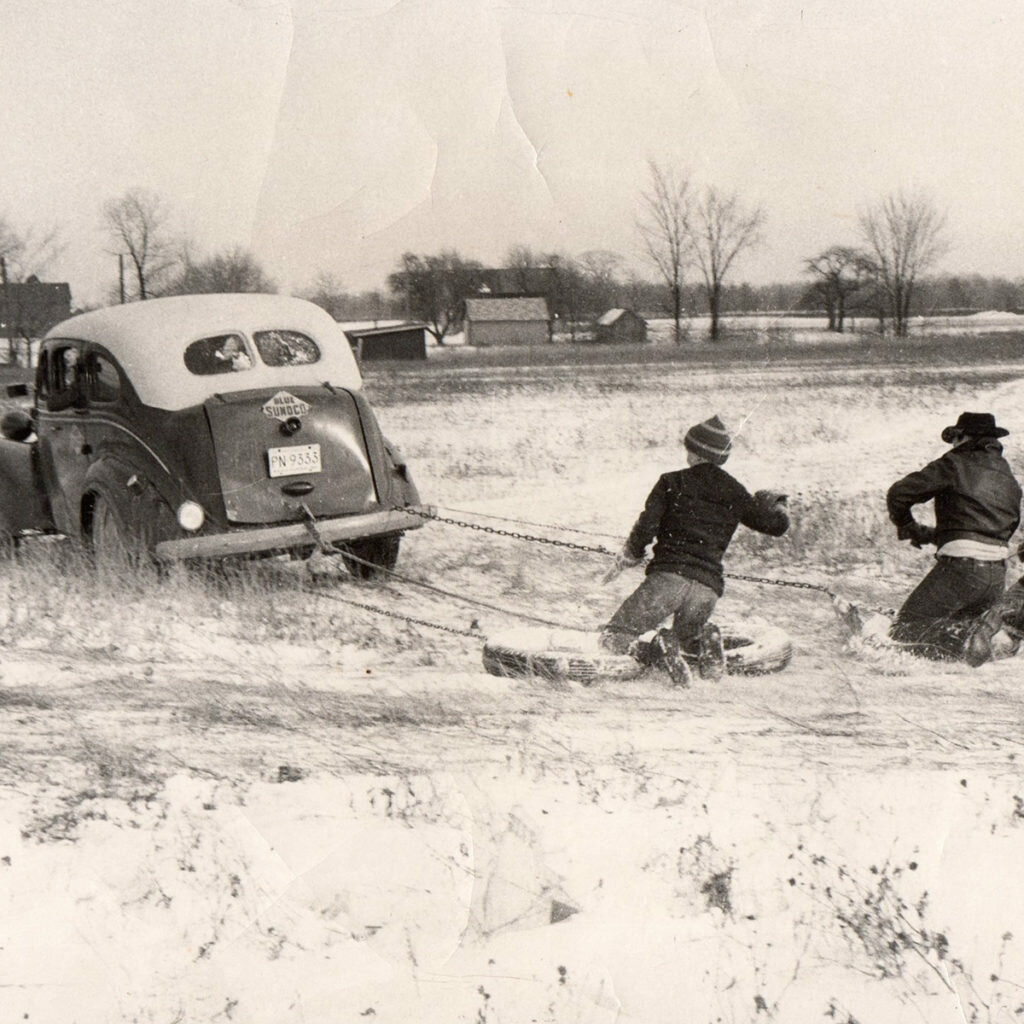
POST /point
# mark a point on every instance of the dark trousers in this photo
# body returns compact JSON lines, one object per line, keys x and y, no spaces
{"x":660,"y":595}
{"x":934,"y":618}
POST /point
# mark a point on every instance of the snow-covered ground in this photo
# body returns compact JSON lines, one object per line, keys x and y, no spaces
{"x":249,"y":801}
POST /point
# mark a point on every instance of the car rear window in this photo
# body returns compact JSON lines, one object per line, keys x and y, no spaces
{"x":286,"y":348}
{"x":223,"y":353}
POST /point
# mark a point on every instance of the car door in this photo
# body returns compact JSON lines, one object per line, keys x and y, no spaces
{"x":61,"y":416}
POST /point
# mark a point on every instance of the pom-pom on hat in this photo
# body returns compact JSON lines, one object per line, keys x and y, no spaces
{"x":710,"y":440}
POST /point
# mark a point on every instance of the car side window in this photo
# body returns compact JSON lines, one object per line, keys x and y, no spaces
{"x":104,"y":380}
{"x":286,"y":348}
{"x":64,"y":376}
{"x":223,"y":353}
{"x":43,"y":376}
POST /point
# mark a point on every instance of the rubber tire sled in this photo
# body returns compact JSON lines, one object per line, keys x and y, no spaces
{"x":575,"y":656}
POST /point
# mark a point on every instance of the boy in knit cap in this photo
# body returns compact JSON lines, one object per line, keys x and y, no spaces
{"x":691,"y":516}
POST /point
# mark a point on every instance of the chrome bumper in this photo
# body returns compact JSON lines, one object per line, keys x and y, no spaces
{"x":294,"y":535}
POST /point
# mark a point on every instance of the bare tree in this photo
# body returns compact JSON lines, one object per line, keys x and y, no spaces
{"x":234,"y":270}
{"x":137,"y":223}
{"x":664,"y":226}
{"x":905,"y":235}
{"x":24,"y":256}
{"x":26,"y":252}
{"x":721,"y":228}
{"x":840,"y":272}
{"x":435,"y":288}
{"x":327,"y":292}
{"x":567,"y":289}
{"x":521,"y":259}
{"x":600,"y":268}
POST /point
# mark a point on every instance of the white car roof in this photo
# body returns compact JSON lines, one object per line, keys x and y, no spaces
{"x":149,"y":339}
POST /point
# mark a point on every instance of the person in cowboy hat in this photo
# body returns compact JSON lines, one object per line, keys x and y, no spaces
{"x":977,"y":509}
{"x":691,"y":515}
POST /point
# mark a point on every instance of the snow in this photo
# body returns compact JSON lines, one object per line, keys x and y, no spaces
{"x":431,"y":899}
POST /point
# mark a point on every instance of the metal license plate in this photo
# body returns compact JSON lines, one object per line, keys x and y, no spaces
{"x":294,"y":460}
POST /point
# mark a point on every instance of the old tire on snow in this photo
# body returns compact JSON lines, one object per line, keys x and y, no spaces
{"x":757,"y":652}
{"x":574,"y":656}
{"x":556,"y":655}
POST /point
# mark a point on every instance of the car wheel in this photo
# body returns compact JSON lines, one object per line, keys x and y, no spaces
{"x":113,"y":546}
{"x":381,"y":551}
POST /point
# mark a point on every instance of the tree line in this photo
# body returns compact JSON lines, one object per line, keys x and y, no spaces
{"x":690,"y":234}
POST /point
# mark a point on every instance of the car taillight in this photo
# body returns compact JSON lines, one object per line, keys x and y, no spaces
{"x":191,"y":516}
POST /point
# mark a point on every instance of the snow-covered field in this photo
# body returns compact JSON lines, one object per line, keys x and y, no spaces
{"x":245,"y":798}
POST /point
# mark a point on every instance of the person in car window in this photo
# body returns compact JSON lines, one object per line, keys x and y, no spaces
{"x":691,"y":515}
{"x":233,"y":353}
{"x":977,"y":509}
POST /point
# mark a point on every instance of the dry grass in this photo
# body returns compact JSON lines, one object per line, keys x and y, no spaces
{"x":220,"y":658}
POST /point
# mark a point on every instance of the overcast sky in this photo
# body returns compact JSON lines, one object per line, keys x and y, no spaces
{"x":332,"y":135}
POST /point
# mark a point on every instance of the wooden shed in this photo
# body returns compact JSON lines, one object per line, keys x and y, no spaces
{"x":399,"y":341}
{"x":620,"y":326}
{"x":507,"y":321}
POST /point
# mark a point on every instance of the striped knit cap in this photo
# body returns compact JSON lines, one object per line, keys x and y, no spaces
{"x":710,"y":440}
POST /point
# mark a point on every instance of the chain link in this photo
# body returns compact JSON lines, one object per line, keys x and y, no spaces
{"x":769,"y":581}
{"x":529,"y":522}
{"x":795,"y":584}
{"x":513,"y":534}
{"x":387,"y":612}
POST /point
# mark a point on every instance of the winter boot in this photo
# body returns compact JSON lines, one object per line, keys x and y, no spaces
{"x":710,"y":653}
{"x":666,"y":645}
{"x":978,"y":645}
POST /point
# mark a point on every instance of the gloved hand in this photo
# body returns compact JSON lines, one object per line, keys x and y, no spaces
{"x":769,"y":498}
{"x":625,"y":560}
{"x":917,"y":533}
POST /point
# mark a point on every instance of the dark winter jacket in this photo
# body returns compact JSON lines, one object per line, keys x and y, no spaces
{"x":693,"y":513}
{"x":976,"y":495}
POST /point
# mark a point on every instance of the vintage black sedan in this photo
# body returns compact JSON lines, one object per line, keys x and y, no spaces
{"x":204,"y":426}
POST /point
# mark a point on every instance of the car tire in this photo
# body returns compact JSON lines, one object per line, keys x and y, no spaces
{"x":560,"y":655}
{"x":113,"y":545}
{"x":381,"y":551}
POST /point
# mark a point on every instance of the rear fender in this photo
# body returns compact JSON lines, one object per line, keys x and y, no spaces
{"x":145,"y":512}
{"x":403,"y":490}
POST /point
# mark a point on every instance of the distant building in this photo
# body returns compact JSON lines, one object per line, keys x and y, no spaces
{"x":507,"y":321}
{"x":620,"y":326}
{"x":519,"y":281}
{"x":400,"y":341}
{"x":28,"y":309}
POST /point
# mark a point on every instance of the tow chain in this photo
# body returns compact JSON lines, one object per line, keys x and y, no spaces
{"x":475,"y":602}
{"x":528,"y":522}
{"x":513,"y":534}
{"x":795,"y":584}
{"x":601,"y":550}
{"x":474,"y":633}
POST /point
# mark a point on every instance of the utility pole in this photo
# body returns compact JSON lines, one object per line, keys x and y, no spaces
{"x":7,"y":309}
{"x":120,"y":273}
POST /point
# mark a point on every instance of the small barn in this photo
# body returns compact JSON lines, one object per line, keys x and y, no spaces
{"x":620,"y":326}
{"x":399,"y":341}
{"x":507,"y":321}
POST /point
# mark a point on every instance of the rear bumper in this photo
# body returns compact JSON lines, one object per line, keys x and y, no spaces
{"x":294,"y":535}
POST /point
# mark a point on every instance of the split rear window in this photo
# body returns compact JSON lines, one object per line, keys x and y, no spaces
{"x":232,"y":352}
{"x":286,"y":348}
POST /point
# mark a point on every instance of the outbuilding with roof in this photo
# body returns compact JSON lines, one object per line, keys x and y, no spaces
{"x":621,"y":326}
{"x":507,"y":321}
